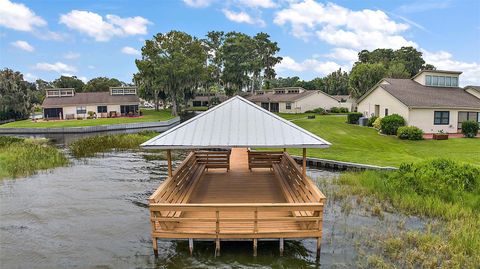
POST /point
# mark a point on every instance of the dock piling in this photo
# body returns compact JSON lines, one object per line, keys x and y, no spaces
{"x":281,"y":247}
{"x":155,"y":247}
{"x":190,"y":246}
{"x":255,"y":244}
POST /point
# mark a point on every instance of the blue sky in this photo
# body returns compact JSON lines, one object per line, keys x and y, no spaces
{"x":44,"y":39}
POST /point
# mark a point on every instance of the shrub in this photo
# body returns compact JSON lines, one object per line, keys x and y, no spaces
{"x":353,"y":117}
{"x":470,"y":128}
{"x":338,"y":110}
{"x":318,"y":110}
{"x":371,"y":120}
{"x":410,"y":133}
{"x":390,"y":124}
{"x":376,"y":123}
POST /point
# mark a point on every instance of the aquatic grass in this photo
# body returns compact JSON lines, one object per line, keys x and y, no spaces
{"x":22,"y":157}
{"x":90,"y":146}
{"x":440,"y":189}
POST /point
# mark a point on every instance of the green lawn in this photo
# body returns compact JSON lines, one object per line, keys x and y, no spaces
{"x":148,"y":115}
{"x":352,"y":143}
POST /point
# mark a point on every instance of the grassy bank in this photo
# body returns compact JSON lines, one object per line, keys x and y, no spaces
{"x":148,"y":115}
{"x":447,"y":192}
{"x":89,"y":146}
{"x":23,"y":157}
{"x":352,"y":143}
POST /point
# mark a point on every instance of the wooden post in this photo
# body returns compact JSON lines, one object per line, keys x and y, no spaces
{"x":155,"y":247}
{"x":255,"y":244}
{"x":304,"y":166}
{"x":217,"y":247}
{"x":319,"y":247}
{"x":169,"y":160}
{"x":190,"y":246}
{"x":284,"y":149}
{"x":281,"y":247}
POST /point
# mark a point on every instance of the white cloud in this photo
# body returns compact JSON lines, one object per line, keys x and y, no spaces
{"x":23,"y":45}
{"x":71,"y":55}
{"x":444,"y":61}
{"x":424,"y":5}
{"x":94,"y":25}
{"x":343,"y":54}
{"x":312,"y":65}
{"x":130,"y":51}
{"x":257,"y":3}
{"x":342,"y":27}
{"x":58,"y":67}
{"x":198,"y":3}
{"x":30,"y":77}
{"x":242,"y":17}
{"x":19,"y":17}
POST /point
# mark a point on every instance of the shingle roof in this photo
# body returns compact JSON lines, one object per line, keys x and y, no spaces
{"x":90,"y":98}
{"x":235,"y":123}
{"x":414,"y":94}
{"x":279,"y":97}
{"x":477,"y":88}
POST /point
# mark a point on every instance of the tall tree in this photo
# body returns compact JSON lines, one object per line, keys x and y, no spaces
{"x":364,"y":76}
{"x":265,"y":59}
{"x":15,"y":95}
{"x":69,"y":82}
{"x":397,"y":70}
{"x":178,"y":61}
{"x":102,"y":84}
{"x":336,"y":83}
{"x":411,"y":58}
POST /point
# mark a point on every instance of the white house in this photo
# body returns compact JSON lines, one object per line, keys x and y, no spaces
{"x":65,"y":103}
{"x":293,"y":100}
{"x":431,"y":100}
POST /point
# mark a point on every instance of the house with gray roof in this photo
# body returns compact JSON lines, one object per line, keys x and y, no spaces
{"x":294,"y":100}
{"x":431,"y":100}
{"x":65,"y":103}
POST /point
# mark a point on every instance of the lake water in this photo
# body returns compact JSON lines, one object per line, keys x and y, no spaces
{"x":93,"y":214}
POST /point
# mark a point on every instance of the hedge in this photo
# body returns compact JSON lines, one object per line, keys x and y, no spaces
{"x":410,"y":133}
{"x":353,"y":117}
{"x":391,"y":123}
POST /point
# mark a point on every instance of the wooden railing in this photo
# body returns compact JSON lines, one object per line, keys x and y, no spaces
{"x":214,"y":159}
{"x":252,"y":220}
{"x":263,"y":159}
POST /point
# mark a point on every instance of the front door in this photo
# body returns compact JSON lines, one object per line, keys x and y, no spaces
{"x":274,"y":107}
{"x":377,"y":110}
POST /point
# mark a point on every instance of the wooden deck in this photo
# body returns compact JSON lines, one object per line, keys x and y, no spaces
{"x":198,"y":202}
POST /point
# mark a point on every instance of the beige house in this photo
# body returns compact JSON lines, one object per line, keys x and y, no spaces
{"x":65,"y":103}
{"x":431,"y":100}
{"x":293,"y":100}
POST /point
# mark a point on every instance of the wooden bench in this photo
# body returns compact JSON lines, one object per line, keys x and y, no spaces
{"x":295,"y":188}
{"x":214,"y":159}
{"x":263,"y":159}
{"x":178,"y":188}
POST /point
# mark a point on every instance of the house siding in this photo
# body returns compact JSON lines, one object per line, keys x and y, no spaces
{"x":424,"y":119}
{"x":315,"y":101}
{"x":385,"y":101}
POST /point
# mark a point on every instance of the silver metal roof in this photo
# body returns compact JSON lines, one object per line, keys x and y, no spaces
{"x":236,"y":123}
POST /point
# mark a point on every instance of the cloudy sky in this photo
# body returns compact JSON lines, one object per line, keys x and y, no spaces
{"x":44,"y":39}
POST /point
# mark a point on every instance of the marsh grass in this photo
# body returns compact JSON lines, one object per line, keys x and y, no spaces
{"x":90,"y":146}
{"x":22,"y":157}
{"x":443,"y":190}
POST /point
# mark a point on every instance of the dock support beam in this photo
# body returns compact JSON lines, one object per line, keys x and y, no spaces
{"x":319,"y":247}
{"x":255,"y":244}
{"x":169,"y":161}
{"x":155,"y":247}
{"x":217,"y":247}
{"x":281,"y":247}
{"x":190,"y":246}
{"x":304,"y":164}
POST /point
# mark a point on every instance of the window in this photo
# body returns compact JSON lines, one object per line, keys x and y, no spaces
{"x":288,"y":105}
{"x":101,"y":109}
{"x":428,"y":80}
{"x":441,"y":81}
{"x":265,"y":106}
{"x":441,"y":118}
{"x":434,"y":81}
{"x":448,"y":81}
{"x":386,"y":112}
{"x":81,"y":110}
{"x":454,"y":81}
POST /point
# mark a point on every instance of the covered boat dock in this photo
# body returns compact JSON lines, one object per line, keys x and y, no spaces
{"x":225,"y":191}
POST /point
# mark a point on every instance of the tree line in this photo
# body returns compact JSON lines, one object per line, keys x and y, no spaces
{"x":368,"y":70}
{"x":175,"y":65}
